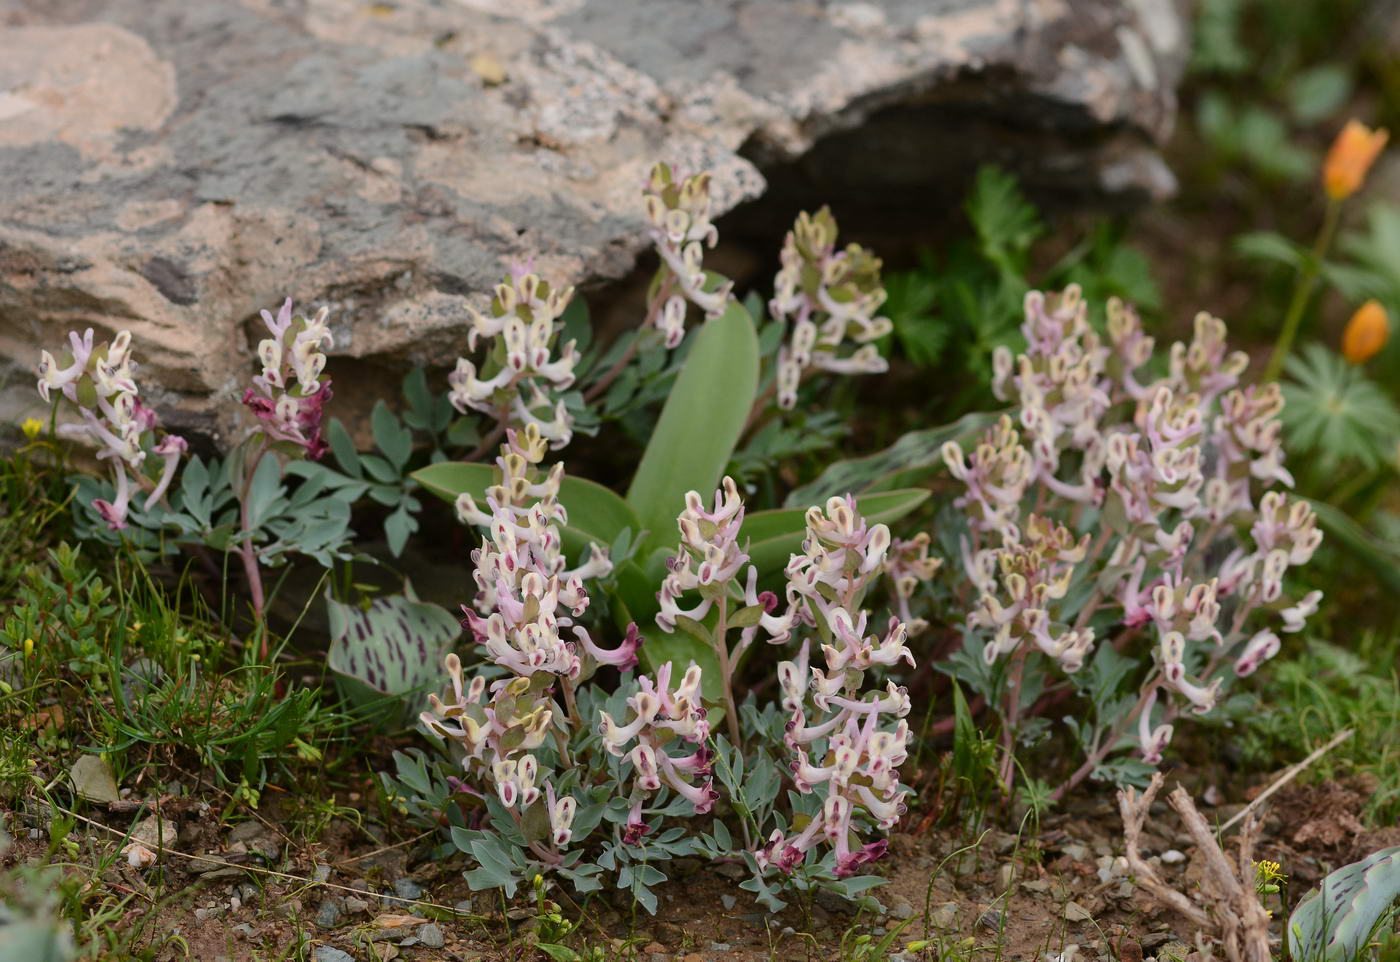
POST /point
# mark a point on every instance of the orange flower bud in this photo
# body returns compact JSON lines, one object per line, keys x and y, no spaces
{"x":1353,"y":152}
{"x":1366,"y":333}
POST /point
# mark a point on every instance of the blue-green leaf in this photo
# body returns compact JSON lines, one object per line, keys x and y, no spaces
{"x":913,"y":457}
{"x":395,"y":440}
{"x":1334,"y":923}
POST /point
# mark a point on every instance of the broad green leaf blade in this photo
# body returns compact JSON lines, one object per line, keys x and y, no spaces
{"x":596,"y":514}
{"x":1334,"y":923}
{"x":700,"y":423}
{"x":634,"y":601}
{"x":447,"y":479}
{"x":393,"y":648}
{"x":775,"y":535}
{"x":913,"y":457}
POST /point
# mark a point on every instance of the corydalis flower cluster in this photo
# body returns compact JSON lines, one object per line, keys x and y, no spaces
{"x":289,"y":396}
{"x":1163,"y":470}
{"x":836,"y":728}
{"x":662,"y":717}
{"x":708,"y":559}
{"x":100,"y":383}
{"x":524,"y":594}
{"x":830,"y":298}
{"x":526,"y":600}
{"x":678,"y":218}
{"x":521,"y":380}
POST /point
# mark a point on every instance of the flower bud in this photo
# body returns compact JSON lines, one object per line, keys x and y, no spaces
{"x":1351,"y":156}
{"x":1366,"y":332}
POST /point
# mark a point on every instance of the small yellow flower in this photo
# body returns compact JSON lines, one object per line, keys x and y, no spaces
{"x":1366,"y":333}
{"x":28,"y":647}
{"x":1353,"y":152}
{"x":31,"y":427}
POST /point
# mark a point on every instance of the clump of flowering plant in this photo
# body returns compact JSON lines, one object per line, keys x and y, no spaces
{"x":837,"y":732}
{"x":1115,"y":518}
{"x":237,"y":504}
{"x":829,"y":298}
{"x":520,"y":383}
{"x":678,"y":219}
{"x":512,"y":734}
{"x":289,"y":396}
{"x":709,"y":563}
{"x":99,"y":383}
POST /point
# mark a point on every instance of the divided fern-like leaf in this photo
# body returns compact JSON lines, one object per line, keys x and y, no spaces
{"x":1335,"y":412}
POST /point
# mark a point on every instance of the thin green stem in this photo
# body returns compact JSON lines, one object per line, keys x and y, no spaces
{"x":725,"y":670}
{"x":247,"y":551}
{"x":1302,"y":292}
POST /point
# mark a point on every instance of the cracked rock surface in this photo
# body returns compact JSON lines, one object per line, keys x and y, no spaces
{"x":173,"y":166}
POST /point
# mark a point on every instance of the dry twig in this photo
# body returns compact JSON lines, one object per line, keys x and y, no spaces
{"x":1231,"y":911}
{"x":1285,"y":778}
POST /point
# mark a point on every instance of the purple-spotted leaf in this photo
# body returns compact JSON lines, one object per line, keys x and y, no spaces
{"x":390,"y":650}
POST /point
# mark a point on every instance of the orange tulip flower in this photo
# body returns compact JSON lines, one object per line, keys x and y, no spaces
{"x":1353,"y":152}
{"x":1366,"y":333}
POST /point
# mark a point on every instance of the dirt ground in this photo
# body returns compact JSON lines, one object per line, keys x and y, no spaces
{"x":1057,"y":894}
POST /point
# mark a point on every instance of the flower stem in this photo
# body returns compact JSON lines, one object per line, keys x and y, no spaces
{"x":247,"y":551}
{"x":1302,"y":292}
{"x":726,"y":670}
{"x":1104,"y":747}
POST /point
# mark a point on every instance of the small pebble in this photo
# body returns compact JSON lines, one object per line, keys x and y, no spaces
{"x":326,"y":953}
{"x":321,"y":872}
{"x":430,"y":936}
{"x":728,"y":901}
{"x":1074,"y":912}
{"x":355,"y":906}
{"x":901,"y":908}
{"x":406,"y":888}
{"x":1173,"y":857}
{"x":719,"y":946}
{"x":328,"y":914}
{"x":243,"y":930}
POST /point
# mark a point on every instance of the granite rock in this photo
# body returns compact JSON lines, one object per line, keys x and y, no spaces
{"x":174,"y":166}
